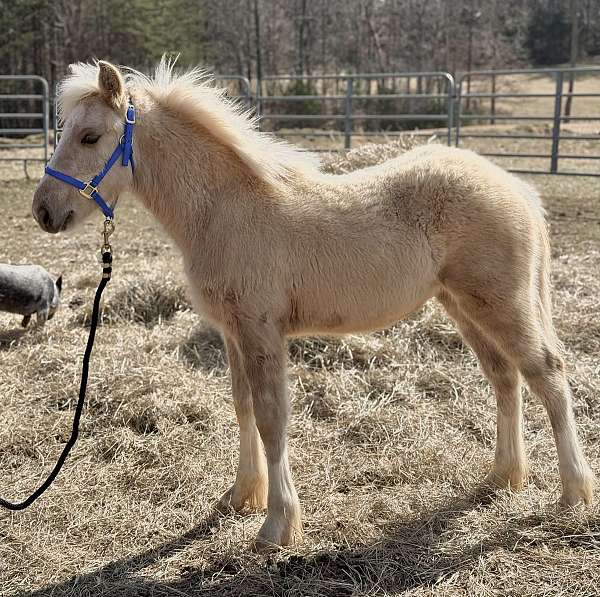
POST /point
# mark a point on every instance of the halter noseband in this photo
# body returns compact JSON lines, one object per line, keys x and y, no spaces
{"x":90,"y":189}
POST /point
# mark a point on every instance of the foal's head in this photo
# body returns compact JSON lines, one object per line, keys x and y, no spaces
{"x":92,"y":129}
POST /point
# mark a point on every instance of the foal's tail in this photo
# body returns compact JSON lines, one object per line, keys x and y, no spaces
{"x":542,"y":257}
{"x":545,"y":289}
{"x":544,"y":268}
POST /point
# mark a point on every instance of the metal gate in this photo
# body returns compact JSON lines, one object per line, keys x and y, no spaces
{"x":24,"y":126}
{"x":342,"y":107}
{"x":533,"y":102}
{"x":523,"y":112}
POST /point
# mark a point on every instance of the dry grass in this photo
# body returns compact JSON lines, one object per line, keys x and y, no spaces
{"x":390,"y":434}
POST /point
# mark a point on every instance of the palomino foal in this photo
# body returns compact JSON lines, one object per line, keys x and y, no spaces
{"x":273,"y":248}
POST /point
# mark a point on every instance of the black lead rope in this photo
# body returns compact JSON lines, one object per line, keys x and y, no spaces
{"x":106,"y":273}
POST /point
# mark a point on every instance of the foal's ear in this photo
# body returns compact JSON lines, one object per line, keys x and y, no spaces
{"x":59,"y":284}
{"x":111,"y":83}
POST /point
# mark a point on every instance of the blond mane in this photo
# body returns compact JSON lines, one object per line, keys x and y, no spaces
{"x":194,"y":94}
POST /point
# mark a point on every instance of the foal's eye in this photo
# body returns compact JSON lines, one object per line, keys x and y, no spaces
{"x":90,"y":139}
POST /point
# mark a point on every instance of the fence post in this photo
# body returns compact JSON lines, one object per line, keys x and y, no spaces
{"x":259,"y":90}
{"x":46,"y":118}
{"x":493,"y":119}
{"x":450,"y":105}
{"x":55,"y":123}
{"x":458,"y":105}
{"x":348,"y":113}
{"x":247,"y":92}
{"x":556,"y":123}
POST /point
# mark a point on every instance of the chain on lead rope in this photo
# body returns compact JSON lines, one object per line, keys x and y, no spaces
{"x":106,"y":250}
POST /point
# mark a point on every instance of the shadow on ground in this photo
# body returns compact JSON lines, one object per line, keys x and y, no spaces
{"x":17,"y":335}
{"x":204,"y":349}
{"x":410,"y":554}
{"x":145,"y":302}
{"x":11,"y":338}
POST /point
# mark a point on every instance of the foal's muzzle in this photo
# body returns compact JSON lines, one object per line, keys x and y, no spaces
{"x":48,"y":219}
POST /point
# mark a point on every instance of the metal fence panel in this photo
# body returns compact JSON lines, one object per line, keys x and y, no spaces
{"x":20,"y":123}
{"x":541,"y":127}
{"x":382,"y":104}
{"x":341,"y":108}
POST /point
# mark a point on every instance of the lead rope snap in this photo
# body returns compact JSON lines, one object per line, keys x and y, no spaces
{"x":107,"y":258}
{"x":106,"y":250}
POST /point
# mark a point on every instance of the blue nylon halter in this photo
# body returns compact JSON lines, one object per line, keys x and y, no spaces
{"x":90,"y":189}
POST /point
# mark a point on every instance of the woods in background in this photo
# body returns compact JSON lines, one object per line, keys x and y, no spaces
{"x":295,"y":36}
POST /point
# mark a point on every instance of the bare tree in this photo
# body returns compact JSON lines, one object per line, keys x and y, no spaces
{"x":573,"y":13}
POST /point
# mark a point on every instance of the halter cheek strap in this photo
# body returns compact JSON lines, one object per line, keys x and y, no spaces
{"x":124,"y":150}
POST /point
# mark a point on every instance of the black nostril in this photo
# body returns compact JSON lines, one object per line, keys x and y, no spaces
{"x":44,"y":216}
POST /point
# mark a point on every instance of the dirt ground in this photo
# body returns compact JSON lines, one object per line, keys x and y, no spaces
{"x":390,"y":435}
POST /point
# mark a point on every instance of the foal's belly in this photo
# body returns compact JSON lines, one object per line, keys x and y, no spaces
{"x":353,"y":314}
{"x":354,"y":326}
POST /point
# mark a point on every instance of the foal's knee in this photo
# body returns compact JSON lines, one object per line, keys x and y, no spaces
{"x":503,"y":376}
{"x":266,"y":376}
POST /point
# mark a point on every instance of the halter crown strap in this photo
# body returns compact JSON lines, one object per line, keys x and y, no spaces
{"x":124,"y":150}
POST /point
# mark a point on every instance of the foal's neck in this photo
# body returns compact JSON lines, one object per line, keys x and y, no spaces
{"x":184,"y":176}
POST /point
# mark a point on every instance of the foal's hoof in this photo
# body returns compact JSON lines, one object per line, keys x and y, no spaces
{"x":252,"y":498}
{"x":276,"y":533}
{"x":514,"y":479}
{"x":578,"y":491}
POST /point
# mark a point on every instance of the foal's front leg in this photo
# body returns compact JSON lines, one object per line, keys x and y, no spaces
{"x":250,"y":487}
{"x":263,"y":352}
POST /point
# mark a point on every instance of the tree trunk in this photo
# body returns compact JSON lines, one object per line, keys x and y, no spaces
{"x":258,"y":46}
{"x":300,"y":68}
{"x":573,"y":59}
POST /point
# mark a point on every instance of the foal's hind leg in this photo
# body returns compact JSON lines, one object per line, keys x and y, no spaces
{"x":250,"y":487}
{"x":510,"y":462}
{"x":516,"y":327}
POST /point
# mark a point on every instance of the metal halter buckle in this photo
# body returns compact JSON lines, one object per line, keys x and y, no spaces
{"x":127,"y":117}
{"x":88,"y":190}
{"x":122,"y":140}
